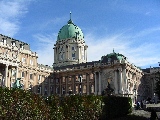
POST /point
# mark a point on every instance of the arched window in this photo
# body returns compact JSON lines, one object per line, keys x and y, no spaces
{"x":84,"y":89}
{"x":92,"y":88}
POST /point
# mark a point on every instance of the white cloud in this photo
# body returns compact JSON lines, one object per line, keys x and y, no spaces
{"x":140,"y":54}
{"x":44,"y":48}
{"x":11,"y":11}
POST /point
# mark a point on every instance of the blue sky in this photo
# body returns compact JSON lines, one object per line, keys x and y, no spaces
{"x":131,"y":27}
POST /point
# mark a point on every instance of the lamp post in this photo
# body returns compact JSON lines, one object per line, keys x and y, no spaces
{"x":80,"y":84}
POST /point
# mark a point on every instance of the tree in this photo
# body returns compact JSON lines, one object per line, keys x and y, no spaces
{"x":157,"y":87}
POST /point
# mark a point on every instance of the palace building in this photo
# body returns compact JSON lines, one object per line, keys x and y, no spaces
{"x":71,"y":73}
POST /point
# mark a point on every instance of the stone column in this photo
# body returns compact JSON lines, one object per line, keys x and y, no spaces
{"x":115,"y":82}
{"x":73,"y":84}
{"x":26,"y":80}
{"x":16,"y":73}
{"x":95,"y":81}
{"x":99,"y":92}
{"x":55,"y":61}
{"x":6,"y":75}
{"x":88,"y":78}
{"x":120,"y":81}
{"x":60,"y":86}
{"x":66,"y":80}
{"x":78,"y":53}
{"x":9,"y":81}
{"x":43,"y":85}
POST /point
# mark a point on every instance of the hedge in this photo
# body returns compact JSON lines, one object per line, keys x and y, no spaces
{"x":21,"y":104}
{"x":76,"y":107}
{"x":116,"y":106}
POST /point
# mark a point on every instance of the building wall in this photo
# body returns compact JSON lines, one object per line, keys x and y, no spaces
{"x":18,"y":61}
{"x":69,"y":52}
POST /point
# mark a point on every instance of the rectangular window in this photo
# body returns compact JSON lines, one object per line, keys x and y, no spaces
{"x":72,"y":48}
{"x":63,"y":90}
{"x":31,"y":76}
{"x":57,"y":80}
{"x":39,"y":89}
{"x":91,"y":76}
{"x":21,"y":46}
{"x":23,"y":60}
{"x":63,"y":79}
{"x":51,"y":89}
{"x":39,"y":77}
{"x":4,"y":41}
{"x":22,"y":75}
{"x":31,"y":62}
{"x":77,"y":89}
{"x":13,"y":43}
{"x":73,"y":56}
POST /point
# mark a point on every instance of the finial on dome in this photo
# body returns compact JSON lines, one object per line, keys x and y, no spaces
{"x":70,"y":21}
{"x":70,"y":15}
{"x":113,"y":50}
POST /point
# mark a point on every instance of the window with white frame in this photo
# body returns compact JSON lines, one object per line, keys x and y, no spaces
{"x":31,"y":62}
{"x":23,"y":60}
{"x":4,"y":41}
{"x":21,"y":46}
{"x":13,"y":43}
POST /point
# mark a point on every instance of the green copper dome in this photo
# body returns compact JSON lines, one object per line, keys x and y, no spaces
{"x":70,"y":31}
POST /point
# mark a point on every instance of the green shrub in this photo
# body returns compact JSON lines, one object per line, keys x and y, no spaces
{"x":75,"y":107}
{"x":116,"y":106}
{"x":21,"y":104}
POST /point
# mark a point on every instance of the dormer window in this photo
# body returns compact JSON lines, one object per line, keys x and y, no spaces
{"x":21,"y":46}
{"x":13,"y":43}
{"x":4,"y":41}
{"x":109,"y":59}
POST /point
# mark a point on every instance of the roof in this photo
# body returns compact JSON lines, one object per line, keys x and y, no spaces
{"x":70,"y":30}
{"x":111,"y":57}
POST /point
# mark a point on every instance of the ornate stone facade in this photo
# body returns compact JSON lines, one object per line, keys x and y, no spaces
{"x":81,"y":77}
{"x":18,"y":61}
{"x":71,"y":73}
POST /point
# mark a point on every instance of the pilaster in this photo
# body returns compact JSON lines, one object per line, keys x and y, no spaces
{"x":120,"y":81}
{"x":95,"y":82}
{"x":6,"y":75}
{"x":88,"y":79}
{"x":115,"y":82}
{"x":99,"y":92}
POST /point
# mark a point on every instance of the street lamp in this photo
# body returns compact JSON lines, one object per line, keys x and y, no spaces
{"x":80,"y":84}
